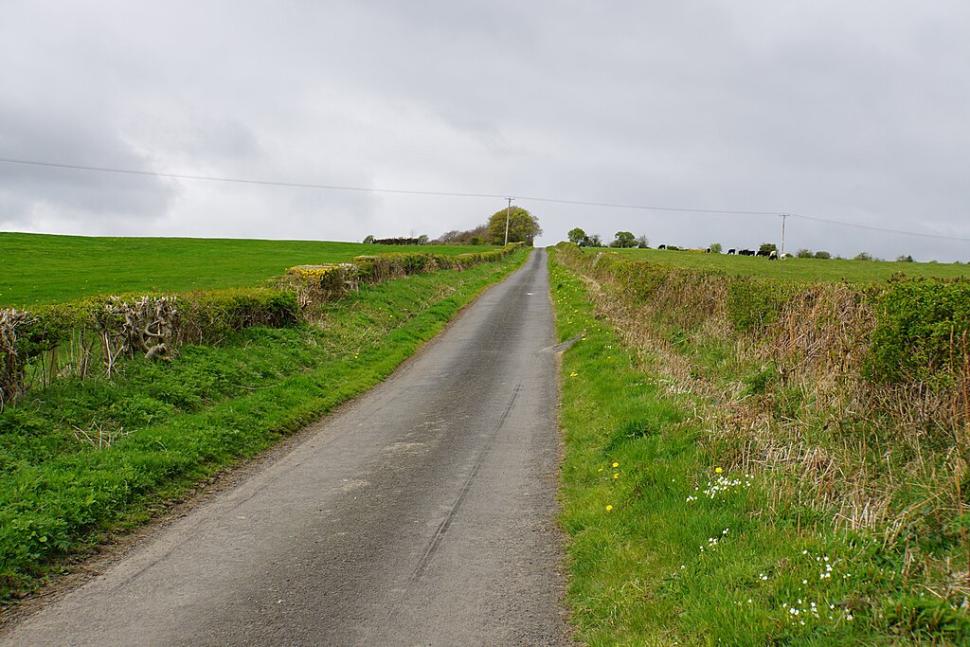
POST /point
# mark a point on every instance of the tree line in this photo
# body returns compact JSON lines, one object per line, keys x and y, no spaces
{"x":523,"y":227}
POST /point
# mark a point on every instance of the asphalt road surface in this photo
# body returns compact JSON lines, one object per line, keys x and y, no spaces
{"x":421,"y":514}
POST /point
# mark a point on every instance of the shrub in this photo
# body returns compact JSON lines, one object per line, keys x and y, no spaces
{"x":804,"y":253}
{"x":754,"y":304}
{"x":863,"y":256}
{"x":715,"y":248}
{"x":921,"y":325}
{"x":823,"y":254}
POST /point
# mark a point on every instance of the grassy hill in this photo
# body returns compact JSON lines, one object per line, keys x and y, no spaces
{"x":40,"y":268}
{"x":797,"y":269}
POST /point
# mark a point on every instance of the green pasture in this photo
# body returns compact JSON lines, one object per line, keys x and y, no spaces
{"x":40,"y":268}
{"x":796,"y":269}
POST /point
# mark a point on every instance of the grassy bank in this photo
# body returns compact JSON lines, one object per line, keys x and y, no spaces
{"x":52,"y":269}
{"x":683,"y":531}
{"x":85,"y":457}
{"x":800,"y":270}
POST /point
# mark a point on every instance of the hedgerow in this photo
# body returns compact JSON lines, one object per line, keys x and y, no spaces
{"x":921,"y":331}
{"x":846,"y":407}
{"x":79,"y":338}
{"x":918,"y":326}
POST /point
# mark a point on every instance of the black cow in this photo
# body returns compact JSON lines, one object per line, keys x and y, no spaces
{"x":661,"y":247}
{"x":763,"y":252}
{"x":746,"y":252}
{"x":732,"y":251}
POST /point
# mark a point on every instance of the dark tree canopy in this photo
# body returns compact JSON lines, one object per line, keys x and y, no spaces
{"x":523,"y":226}
{"x":578,"y":236}
{"x":624,"y":239}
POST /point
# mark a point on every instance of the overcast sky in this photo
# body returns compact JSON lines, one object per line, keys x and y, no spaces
{"x":855,"y":111}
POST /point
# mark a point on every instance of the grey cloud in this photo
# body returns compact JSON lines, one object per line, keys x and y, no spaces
{"x":850,"y":111}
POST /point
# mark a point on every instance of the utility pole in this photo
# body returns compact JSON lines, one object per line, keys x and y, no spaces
{"x":784,"y":217}
{"x":508,"y":215}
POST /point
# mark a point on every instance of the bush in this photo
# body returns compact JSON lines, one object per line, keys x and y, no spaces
{"x":823,"y":255}
{"x":863,"y":256}
{"x":804,"y":253}
{"x":715,"y":248}
{"x":753,"y":304}
{"x":920,"y":328}
{"x":767,"y":248}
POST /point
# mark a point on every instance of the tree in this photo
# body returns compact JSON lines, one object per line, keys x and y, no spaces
{"x":595,"y":241}
{"x":715,"y":248}
{"x":523,"y":226}
{"x":577,"y":236}
{"x":470,"y":237}
{"x":822,"y":254}
{"x":863,"y":256}
{"x":804,"y":253}
{"x":767,"y":248}
{"x":642,"y":242}
{"x":369,"y":240}
{"x":624,"y":239}
{"x":905,"y":259}
{"x":423,"y":239}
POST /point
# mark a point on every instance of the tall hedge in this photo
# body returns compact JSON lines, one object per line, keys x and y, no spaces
{"x":920,"y":327}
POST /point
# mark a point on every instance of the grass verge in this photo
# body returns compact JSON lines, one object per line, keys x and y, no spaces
{"x":85,"y":458}
{"x":667,"y":547}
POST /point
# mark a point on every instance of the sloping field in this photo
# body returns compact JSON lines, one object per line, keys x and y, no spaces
{"x":795,"y":269}
{"x":39,"y":268}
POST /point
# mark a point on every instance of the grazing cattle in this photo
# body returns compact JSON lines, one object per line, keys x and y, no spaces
{"x":707,"y":251}
{"x":746,"y":252}
{"x":661,"y":247}
{"x":762,"y":252}
{"x":732,"y":251}
{"x":773,"y":256}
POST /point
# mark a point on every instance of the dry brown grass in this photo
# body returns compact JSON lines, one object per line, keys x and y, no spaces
{"x":867,"y":456}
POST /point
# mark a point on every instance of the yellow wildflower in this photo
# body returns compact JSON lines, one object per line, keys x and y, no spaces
{"x":615,"y":464}
{"x":718,"y":470}
{"x":609,"y":508}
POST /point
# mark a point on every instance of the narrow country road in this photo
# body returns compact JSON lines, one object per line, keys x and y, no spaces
{"x":421,"y":514}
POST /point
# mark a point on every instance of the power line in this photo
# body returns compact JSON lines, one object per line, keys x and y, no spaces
{"x":236,"y":180}
{"x":643,"y":207}
{"x":361,"y":189}
{"x":464,"y":194}
{"x":882,"y":229}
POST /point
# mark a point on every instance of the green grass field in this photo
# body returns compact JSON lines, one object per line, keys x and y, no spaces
{"x":796,"y":269}
{"x":39,"y":268}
